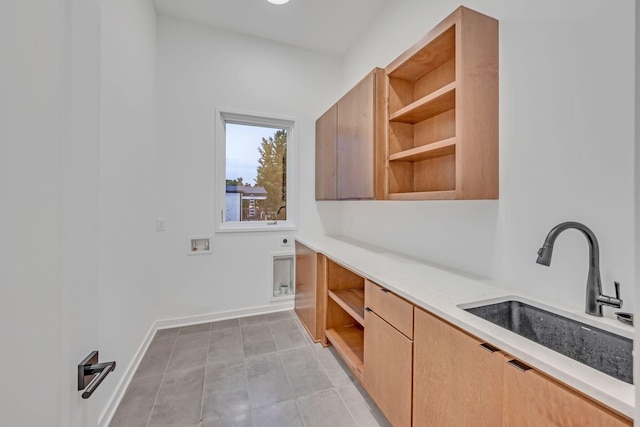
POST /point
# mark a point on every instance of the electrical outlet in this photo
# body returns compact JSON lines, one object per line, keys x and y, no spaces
{"x":161,"y":224}
{"x":285,"y":242}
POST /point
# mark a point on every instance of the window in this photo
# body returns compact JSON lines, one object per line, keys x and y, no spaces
{"x":254,"y":172}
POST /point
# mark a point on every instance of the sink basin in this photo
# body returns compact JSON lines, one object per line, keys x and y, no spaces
{"x":597,"y":348}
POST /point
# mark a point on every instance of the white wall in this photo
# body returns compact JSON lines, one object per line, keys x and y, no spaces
{"x":31,"y":129}
{"x":636,"y":357}
{"x":128,"y":278}
{"x":566,"y":148}
{"x":200,"y":69}
{"x":77,"y":111}
{"x":49,"y":108}
{"x":79,"y":205}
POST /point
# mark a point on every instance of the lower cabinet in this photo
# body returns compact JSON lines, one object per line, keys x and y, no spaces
{"x":532,"y":399}
{"x":387,"y":369}
{"x":423,"y":371}
{"x":460,"y":381}
{"x":310,"y":290}
{"x":457,"y":381}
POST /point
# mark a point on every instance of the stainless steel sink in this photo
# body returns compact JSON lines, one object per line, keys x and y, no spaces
{"x":602,"y":350}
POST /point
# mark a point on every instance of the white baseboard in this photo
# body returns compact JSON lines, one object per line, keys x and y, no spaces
{"x":232,"y":314}
{"x":114,"y":401}
{"x":118,"y":394}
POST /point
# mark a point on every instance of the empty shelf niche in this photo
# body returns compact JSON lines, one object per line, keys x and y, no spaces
{"x":422,"y":120}
{"x":345,"y":315}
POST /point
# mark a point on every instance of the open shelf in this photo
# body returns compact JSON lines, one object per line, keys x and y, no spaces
{"x":424,"y":60}
{"x":423,"y":195}
{"x":442,"y":140}
{"x":349,"y":343}
{"x":424,"y":152}
{"x":437,"y":102}
{"x":351,"y":301}
{"x":345,"y":315}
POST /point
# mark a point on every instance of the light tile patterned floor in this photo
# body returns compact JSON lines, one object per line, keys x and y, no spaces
{"x":259,"y":371}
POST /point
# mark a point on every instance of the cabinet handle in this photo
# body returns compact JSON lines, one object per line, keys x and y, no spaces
{"x":488,"y":347}
{"x":384,"y":290}
{"x":519,"y":365}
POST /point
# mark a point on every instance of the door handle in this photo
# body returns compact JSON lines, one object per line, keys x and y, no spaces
{"x":519,"y":365}
{"x":91,"y":373}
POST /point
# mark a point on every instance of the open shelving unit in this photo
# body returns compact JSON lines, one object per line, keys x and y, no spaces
{"x":443,"y":113}
{"x":345,"y":315}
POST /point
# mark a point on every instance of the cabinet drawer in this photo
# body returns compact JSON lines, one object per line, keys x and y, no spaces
{"x":390,"y":307}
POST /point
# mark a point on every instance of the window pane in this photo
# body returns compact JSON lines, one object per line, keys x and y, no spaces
{"x":256,"y":173}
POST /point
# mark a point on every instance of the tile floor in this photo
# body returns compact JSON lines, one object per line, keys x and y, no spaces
{"x":259,"y":371}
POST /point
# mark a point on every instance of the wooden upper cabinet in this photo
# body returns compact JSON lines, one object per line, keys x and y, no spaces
{"x":443,"y":113}
{"x":425,"y":127}
{"x":359,"y":136}
{"x":532,"y":399}
{"x":350,"y":143}
{"x":326,"y":145}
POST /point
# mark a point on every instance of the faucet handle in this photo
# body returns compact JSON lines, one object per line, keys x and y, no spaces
{"x":611,"y":301}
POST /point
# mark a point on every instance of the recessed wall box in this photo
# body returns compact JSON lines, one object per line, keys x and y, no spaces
{"x":199,"y":245}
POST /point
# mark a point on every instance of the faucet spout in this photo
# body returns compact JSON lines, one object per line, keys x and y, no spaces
{"x":546,"y":251}
{"x":594,"y":297}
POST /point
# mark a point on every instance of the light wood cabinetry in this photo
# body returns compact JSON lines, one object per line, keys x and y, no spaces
{"x":350,"y":148}
{"x":345,"y":315}
{"x":459,"y":380}
{"x":388,"y":353}
{"x":533,"y":399}
{"x":310,"y":297}
{"x":326,"y":155}
{"x":456,"y":381}
{"x":443,"y":113}
{"x":422,"y":370}
{"x":390,"y":307}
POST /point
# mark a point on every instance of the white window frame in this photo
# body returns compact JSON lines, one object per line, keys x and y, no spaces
{"x":224,"y":116}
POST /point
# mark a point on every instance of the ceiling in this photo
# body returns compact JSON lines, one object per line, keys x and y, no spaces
{"x":329,"y":26}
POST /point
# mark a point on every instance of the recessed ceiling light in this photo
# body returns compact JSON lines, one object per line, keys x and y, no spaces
{"x":278,"y":1}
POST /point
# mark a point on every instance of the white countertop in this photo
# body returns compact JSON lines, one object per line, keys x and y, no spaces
{"x":441,"y":290}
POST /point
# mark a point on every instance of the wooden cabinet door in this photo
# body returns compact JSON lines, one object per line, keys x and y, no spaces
{"x":387,"y":369}
{"x":360,"y":135}
{"x":456,"y":382}
{"x":306,"y":301}
{"x":326,"y":140}
{"x":532,"y":399}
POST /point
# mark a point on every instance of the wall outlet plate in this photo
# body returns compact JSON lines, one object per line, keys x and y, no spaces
{"x":285,"y":242}
{"x":161,"y":224}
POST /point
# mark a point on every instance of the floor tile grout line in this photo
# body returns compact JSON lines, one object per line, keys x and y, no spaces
{"x":295,"y":399}
{"x":163,"y":378}
{"x":300,"y":411}
{"x":347,"y":406}
{"x":246,"y":377}
{"x":204,"y":379}
{"x":273,"y":337}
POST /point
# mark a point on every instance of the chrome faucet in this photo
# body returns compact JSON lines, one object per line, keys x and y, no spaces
{"x":595,"y":299}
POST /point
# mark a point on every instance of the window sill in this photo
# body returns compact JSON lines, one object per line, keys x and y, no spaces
{"x":260,"y":227}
